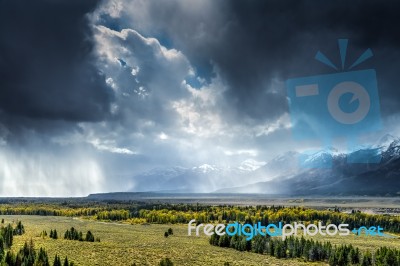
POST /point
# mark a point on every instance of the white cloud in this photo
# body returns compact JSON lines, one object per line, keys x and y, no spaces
{"x":163,"y":136}
{"x":109,"y":145}
{"x":283,"y":122}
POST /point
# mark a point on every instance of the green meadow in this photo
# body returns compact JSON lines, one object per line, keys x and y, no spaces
{"x":125,"y":244}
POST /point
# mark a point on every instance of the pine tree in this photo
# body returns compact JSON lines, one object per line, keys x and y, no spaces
{"x":313,"y":253}
{"x":367,"y":259}
{"x":271,"y":248}
{"x":170,"y":231}
{"x":18,"y":259}
{"x":57,"y":261}
{"x":278,"y":250}
{"x":67,"y":235}
{"x":390,"y":258}
{"x":89,"y":237}
{"x":19,"y":229}
{"x":166,"y":262}
{"x":55,"y":236}
{"x":42,"y":258}
{"x":7,"y":233}
{"x":354,"y":256}
{"x":10,"y":258}
{"x":214,"y":239}
{"x":28,"y":253}
{"x":223,"y":241}
{"x":1,"y":248}
{"x":333,"y":259}
{"x":306,"y":249}
{"x":66,"y":261}
{"x":51,"y":233}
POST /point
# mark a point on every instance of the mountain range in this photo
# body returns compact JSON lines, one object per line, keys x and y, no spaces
{"x":290,"y":173}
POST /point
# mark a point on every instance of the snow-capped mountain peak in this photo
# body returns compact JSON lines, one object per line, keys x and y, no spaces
{"x":205,"y":168}
{"x":386,"y":141}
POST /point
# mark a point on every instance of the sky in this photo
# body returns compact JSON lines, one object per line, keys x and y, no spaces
{"x":94,"y":92}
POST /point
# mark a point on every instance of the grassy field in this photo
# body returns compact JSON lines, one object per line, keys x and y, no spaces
{"x":123,"y":244}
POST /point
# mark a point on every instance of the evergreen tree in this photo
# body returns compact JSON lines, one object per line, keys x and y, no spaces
{"x":271,"y":248}
{"x":242,"y":244}
{"x":278,"y":250}
{"x":367,"y":259}
{"x":66,"y":261}
{"x":166,"y":262}
{"x":10,"y":258}
{"x":170,"y":232}
{"x":27,"y":253}
{"x":390,"y":258}
{"x":333,"y":259}
{"x":306,"y":249}
{"x":224,"y":241}
{"x":55,"y":235}
{"x":18,"y":260}
{"x":67,"y":235}
{"x":8,"y":233}
{"x":214,"y":240}
{"x":1,"y":248}
{"x":19,"y":229}
{"x":354,"y":256}
{"x":89,"y":237}
{"x":42,"y":258}
{"x":233,"y":241}
{"x":57,"y":261}
{"x":314,"y":253}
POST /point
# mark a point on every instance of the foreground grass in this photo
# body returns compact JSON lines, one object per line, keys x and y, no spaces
{"x":123,"y":244}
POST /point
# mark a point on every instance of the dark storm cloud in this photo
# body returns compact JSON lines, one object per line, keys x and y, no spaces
{"x":282,"y":37}
{"x":47,"y":69}
{"x":267,"y":38}
{"x":253,"y":42}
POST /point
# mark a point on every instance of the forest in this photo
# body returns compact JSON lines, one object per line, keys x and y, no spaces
{"x":137,"y":212}
{"x":309,"y":250}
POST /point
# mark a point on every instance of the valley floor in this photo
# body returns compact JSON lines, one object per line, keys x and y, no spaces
{"x":123,"y":244}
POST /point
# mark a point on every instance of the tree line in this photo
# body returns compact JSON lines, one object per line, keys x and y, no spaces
{"x":273,"y":214}
{"x":183,"y":213}
{"x":73,"y":234}
{"x":309,"y":250}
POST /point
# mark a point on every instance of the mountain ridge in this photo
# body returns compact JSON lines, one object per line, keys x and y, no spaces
{"x":288,"y":173}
